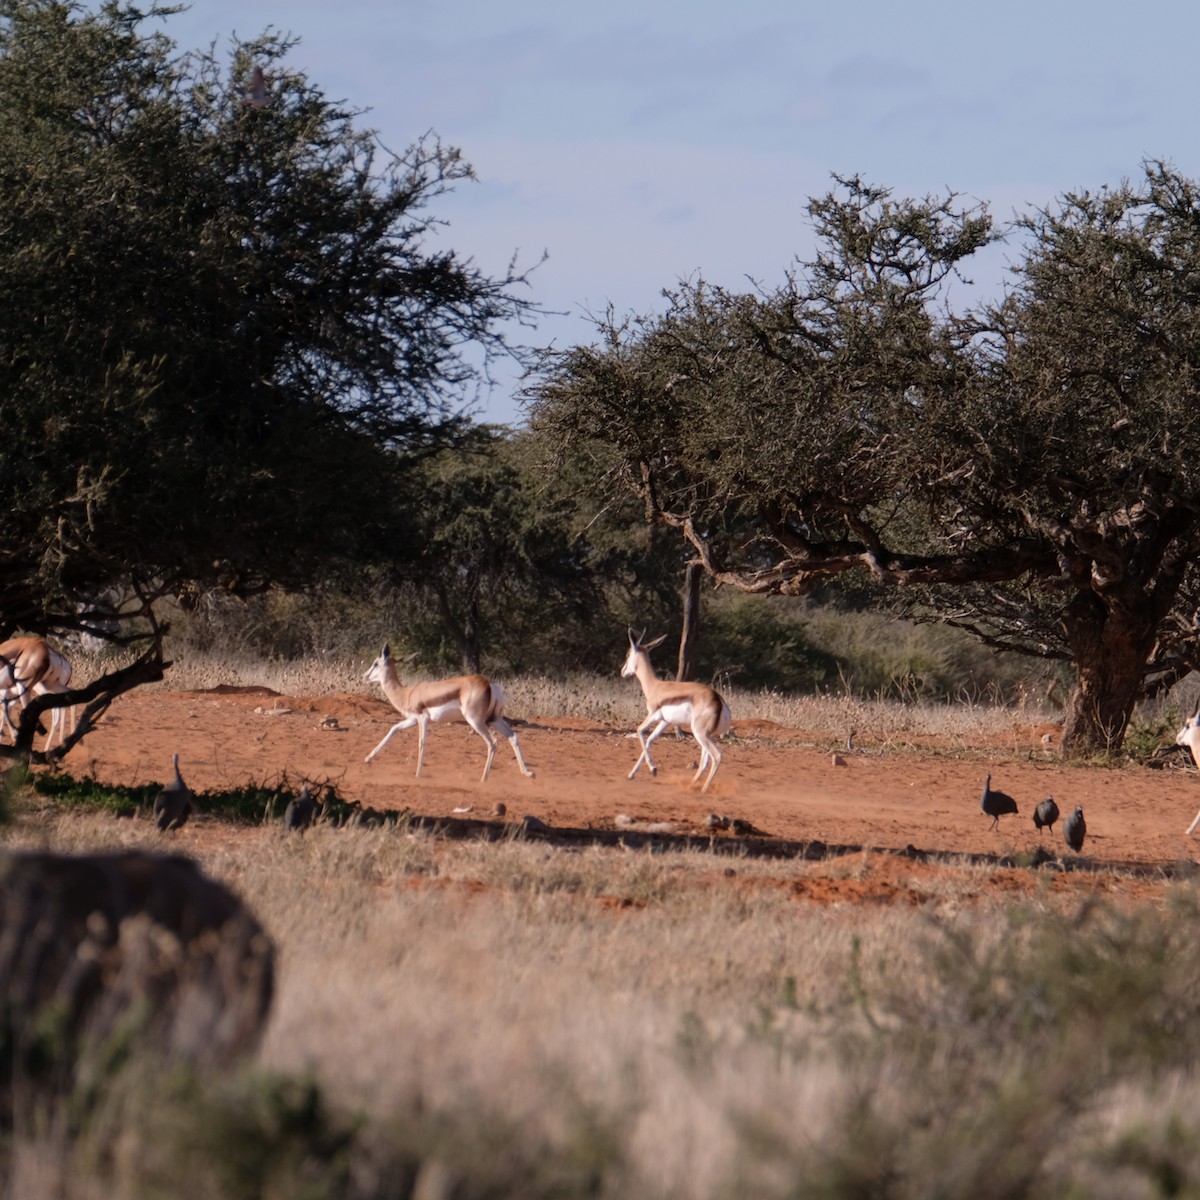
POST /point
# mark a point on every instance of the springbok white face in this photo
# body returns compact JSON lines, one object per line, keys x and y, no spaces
{"x":630,"y":659}
{"x":638,"y":646}
{"x":1189,"y":736}
{"x":375,"y":672}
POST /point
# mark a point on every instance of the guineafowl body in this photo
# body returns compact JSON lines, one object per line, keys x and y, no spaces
{"x":1075,"y":829}
{"x":300,"y":811}
{"x":173,"y":804}
{"x":995,"y":804}
{"x":1046,"y":814}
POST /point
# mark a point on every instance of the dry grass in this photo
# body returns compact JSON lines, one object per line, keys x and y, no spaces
{"x":619,"y":701}
{"x":512,"y":1019}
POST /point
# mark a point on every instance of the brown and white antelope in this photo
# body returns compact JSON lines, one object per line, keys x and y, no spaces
{"x":1189,"y":736}
{"x":693,"y":705}
{"x":31,"y":664}
{"x":470,"y":698}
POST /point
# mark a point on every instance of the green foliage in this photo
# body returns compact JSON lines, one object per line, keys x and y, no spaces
{"x":245,"y":1136}
{"x":752,"y":642}
{"x":251,"y":804}
{"x":1151,"y":731}
{"x":1026,"y":472}
{"x":14,"y":780}
{"x":756,"y":644}
{"x":217,"y":315}
{"x":496,"y":560}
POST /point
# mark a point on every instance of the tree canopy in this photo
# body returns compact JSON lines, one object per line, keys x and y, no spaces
{"x":517,"y":562}
{"x":1025,"y":470}
{"x":228,"y":323}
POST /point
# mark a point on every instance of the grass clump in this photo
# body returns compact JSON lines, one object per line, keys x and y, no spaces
{"x":252,"y":804}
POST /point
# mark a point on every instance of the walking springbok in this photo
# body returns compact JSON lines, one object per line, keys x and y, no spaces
{"x":1189,"y":736}
{"x":31,"y":664}
{"x":694,"y":705}
{"x":469,"y":698}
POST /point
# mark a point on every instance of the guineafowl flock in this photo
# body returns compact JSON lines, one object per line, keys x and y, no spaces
{"x":997,"y":804}
{"x":175,"y":802}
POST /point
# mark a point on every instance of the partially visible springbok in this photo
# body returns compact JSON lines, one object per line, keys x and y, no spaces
{"x":1189,"y":736}
{"x":470,"y":698}
{"x":694,"y":705}
{"x":31,"y":664}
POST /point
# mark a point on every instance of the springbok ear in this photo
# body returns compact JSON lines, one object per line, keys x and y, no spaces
{"x":387,"y":650}
{"x":1196,"y":710}
{"x":658,"y":641}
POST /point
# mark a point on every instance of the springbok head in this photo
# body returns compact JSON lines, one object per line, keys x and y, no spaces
{"x":377,"y":671}
{"x":1189,"y":735}
{"x":638,"y":645}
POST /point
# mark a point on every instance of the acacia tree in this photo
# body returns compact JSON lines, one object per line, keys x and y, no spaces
{"x":495,"y":557}
{"x":227,"y":326}
{"x":513,"y":561}
{"x":1025,"y":471}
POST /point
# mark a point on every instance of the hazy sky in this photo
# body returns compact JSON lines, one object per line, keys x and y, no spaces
{"x":642,"y":143}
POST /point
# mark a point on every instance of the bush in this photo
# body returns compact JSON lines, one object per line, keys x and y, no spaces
{"x":749,"y":642}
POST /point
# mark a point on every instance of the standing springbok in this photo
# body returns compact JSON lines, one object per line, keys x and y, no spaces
{"x":469,"y":698}
{"x":31,"y":664}
{"x":1189,"y":736}
{"x":694,"y":705}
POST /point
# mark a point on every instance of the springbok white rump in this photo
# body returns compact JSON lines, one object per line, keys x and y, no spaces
{"x":31,"y":664}
{"x":469,"y":698}
{"x":1189,"y":736}
{"x":694,"y":705}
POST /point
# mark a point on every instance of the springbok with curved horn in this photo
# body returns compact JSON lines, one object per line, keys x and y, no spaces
{"x":31,"y":664}
{"x":1189,"y":736}
{"x":470,"y":698}
{"x":694,"y":705}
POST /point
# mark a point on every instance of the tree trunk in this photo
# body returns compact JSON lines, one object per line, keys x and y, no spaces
{"x":1111,"y":647}
{"x":689,"y":638}
{"x":469,"y":646}
{"x":465,"y":636}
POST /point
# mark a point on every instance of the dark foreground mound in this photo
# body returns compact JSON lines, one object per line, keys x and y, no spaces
{"x":105,"y":955}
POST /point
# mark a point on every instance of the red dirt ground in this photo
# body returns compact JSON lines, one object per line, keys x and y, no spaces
{"x":787,"y":783}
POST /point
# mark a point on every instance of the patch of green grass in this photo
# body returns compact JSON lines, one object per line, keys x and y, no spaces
{"x":252,"y":804}
{"x":1150,"y":734}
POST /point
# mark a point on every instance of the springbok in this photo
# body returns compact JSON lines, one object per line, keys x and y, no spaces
{"x":694,"y":705}
{"x":31,"y":664}
{"x":470,"y":698}
{"x":1189,"y":736}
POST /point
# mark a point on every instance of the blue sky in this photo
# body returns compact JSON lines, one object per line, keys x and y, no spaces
{"x":643,"y":143}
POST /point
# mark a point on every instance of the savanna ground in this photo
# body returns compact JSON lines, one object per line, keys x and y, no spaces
{"x":524,"y":1017}
{"x":911,"y":779}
